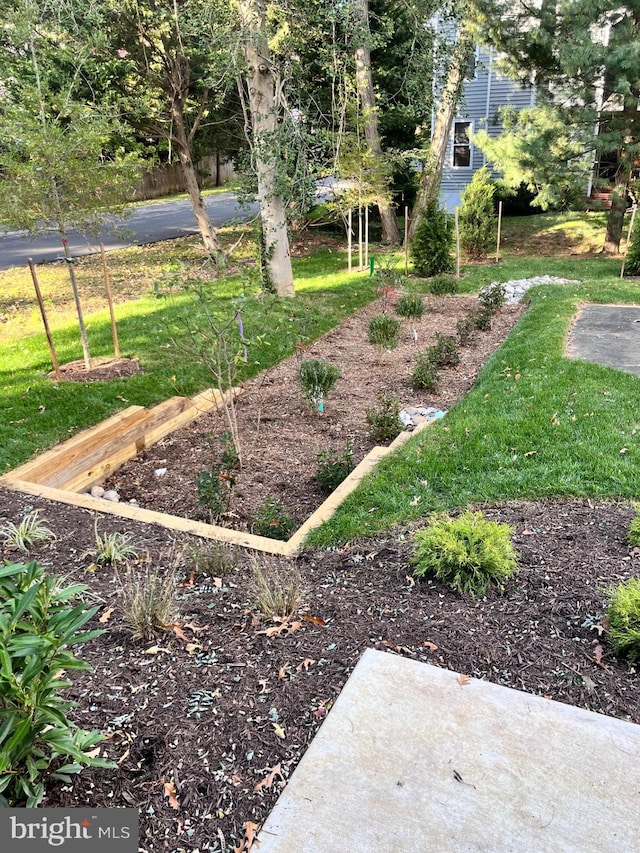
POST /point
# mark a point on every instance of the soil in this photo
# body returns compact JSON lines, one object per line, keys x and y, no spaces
{"x":207,"y":719}
{"x":101,"y":370}
{"x":281,"y":436}
{"x":198,"y":707}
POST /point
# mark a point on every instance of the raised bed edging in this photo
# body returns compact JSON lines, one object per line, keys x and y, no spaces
{"x":178,"y":411}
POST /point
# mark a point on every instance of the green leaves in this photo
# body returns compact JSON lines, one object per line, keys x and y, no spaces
{"x":38,"y":621}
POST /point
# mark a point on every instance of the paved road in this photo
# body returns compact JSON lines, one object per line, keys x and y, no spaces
{"x":148,"y":223}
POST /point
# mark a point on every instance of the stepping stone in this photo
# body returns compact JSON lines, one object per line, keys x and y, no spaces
{"x":414,"y":757}
{"x":607,"y":335}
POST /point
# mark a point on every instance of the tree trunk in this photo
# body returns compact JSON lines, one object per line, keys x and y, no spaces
{"x":615,"y":216}
{"x":208,"y":232}
{"x":364,"y":82}
{"x":263,"y":105}
{"x":88,"y":363}
{"x":431,"y":176}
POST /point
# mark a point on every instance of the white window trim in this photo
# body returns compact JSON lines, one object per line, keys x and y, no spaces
{"x":453,"y":131}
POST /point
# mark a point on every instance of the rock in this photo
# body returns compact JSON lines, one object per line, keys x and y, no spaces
{"x":97,"y":492}
{"x":160,"y":472}
{"x":112,"y":495}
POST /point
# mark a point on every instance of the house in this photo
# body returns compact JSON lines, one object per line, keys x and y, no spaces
{"x":485,"y":92}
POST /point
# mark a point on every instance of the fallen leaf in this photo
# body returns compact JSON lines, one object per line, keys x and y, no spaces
{"x":106,"y":615}
{"x":246,"y":843}
{"x":197,"y":629}
{"x":284,"y":626}
{"x":279,"y":730}
{"x":93,"y":754}
{"x":192,"y":648}
{"x":188,"y":583}
{"x":315,"y":620}
{"x":282,"y":672}
{"x":463,"y":679}
{"x":270,"y":778}
{"x":180,"y":634}
{"x":410,"y":581}
{"x":154,"y":650}
{"x":319,"y":713}
{"x":170,"y":792}
{"x":430,"y":646}
{"x":597,"y":653}
{"x":306,"y":663}
{"x":415,"y":501}
{"x":124,"y":756}
{"x":530,"y":452}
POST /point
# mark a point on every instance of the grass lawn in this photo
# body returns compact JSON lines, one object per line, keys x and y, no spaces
{"x":536,"y":423}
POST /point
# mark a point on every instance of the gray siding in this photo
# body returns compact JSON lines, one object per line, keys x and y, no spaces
{"x":482,"y":99}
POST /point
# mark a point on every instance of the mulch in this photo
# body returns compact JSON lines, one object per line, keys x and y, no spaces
{"x":208,"y":720}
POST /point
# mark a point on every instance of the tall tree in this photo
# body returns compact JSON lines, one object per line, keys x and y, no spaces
{"x":266,"y":143}
{"x":175,"y":72}
{"x":586,"y":68}
{"x":366,"y":93}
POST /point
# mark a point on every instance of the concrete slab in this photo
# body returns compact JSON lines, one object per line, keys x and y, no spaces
{"x":608,"y":335}
{"x":410,"y":758}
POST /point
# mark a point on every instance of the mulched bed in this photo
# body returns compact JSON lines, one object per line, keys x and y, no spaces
{"x":222,"y":713}
{"x":281,"y":436}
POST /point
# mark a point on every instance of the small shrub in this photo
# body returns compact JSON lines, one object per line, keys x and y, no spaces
{"x":112,"y":548}
{"x":276,"y":586}
{"x":213,"y":493}
{"x":425,"y":374}
{"x":39,"y":621}
{"x":30,"y":532}
{"x":317,"y":380}
{"x":333,"y":467}
{"x":441,"y":285}
{"x":147,"y":600}
{"x":211,"y":558}
{"x":466,"y":327}
{"x":623,"y":614}
{"x":410,"y":305}
{"x":481,"y":318}
{"x":432,"y":244}
{"x":384,"y":331}
{"x":633,"y":534}
{"x":493,"y":296}
{"x":384,"y":419}
{"x":273,"y":520}
{"x":444,"y":353}
{"x":478,"y":224}
{"x":467,"y":553}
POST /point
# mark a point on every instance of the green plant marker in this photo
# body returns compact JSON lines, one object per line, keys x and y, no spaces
{"x":372,"y":266}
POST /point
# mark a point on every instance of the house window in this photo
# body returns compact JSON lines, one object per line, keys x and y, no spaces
{"x":462,"y":144}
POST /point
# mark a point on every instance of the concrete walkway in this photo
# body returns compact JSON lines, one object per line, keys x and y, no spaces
{"x":609,"y":335}
{"x":416,"y":758}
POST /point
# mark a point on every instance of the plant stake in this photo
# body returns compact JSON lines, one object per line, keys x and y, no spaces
{"x":107,"y":285}
{"x":52,"y":349}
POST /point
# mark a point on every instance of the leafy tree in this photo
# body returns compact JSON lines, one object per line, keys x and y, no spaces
{"x":632,"y":261}
{"x":60,"y":158}
{"x":583,"y":58}
{"x":171,"y":64}
{"x":477,"y":219}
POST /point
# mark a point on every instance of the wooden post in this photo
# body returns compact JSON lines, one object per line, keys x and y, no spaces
{"x":626,"y":251}
{"x":360,"y":247}
{"x":406,"y":240}
{"x":499,"y":231}
{"x":366,"y":236}
{"x":52,"y":349}
{"x":349,"y":232}
{"x":107,"y":284}
{"x":457,"y":244}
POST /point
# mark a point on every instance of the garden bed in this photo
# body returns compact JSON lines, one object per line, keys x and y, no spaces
{"x":280,"y":434}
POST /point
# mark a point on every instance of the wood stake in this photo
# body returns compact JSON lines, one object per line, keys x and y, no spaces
{"x":360,"y":246}
{"x":457,"y":244}
{"x":499,"y":231}
{"x":52,"y":349}
{"x":366,"y":237}
{"x":349,"y":232}
{"x":107,"y":285}
{"x":626,"y":251}
{"x":406,"y":240}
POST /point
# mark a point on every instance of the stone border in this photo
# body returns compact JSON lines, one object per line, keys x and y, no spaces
{"x":84,"y":466}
